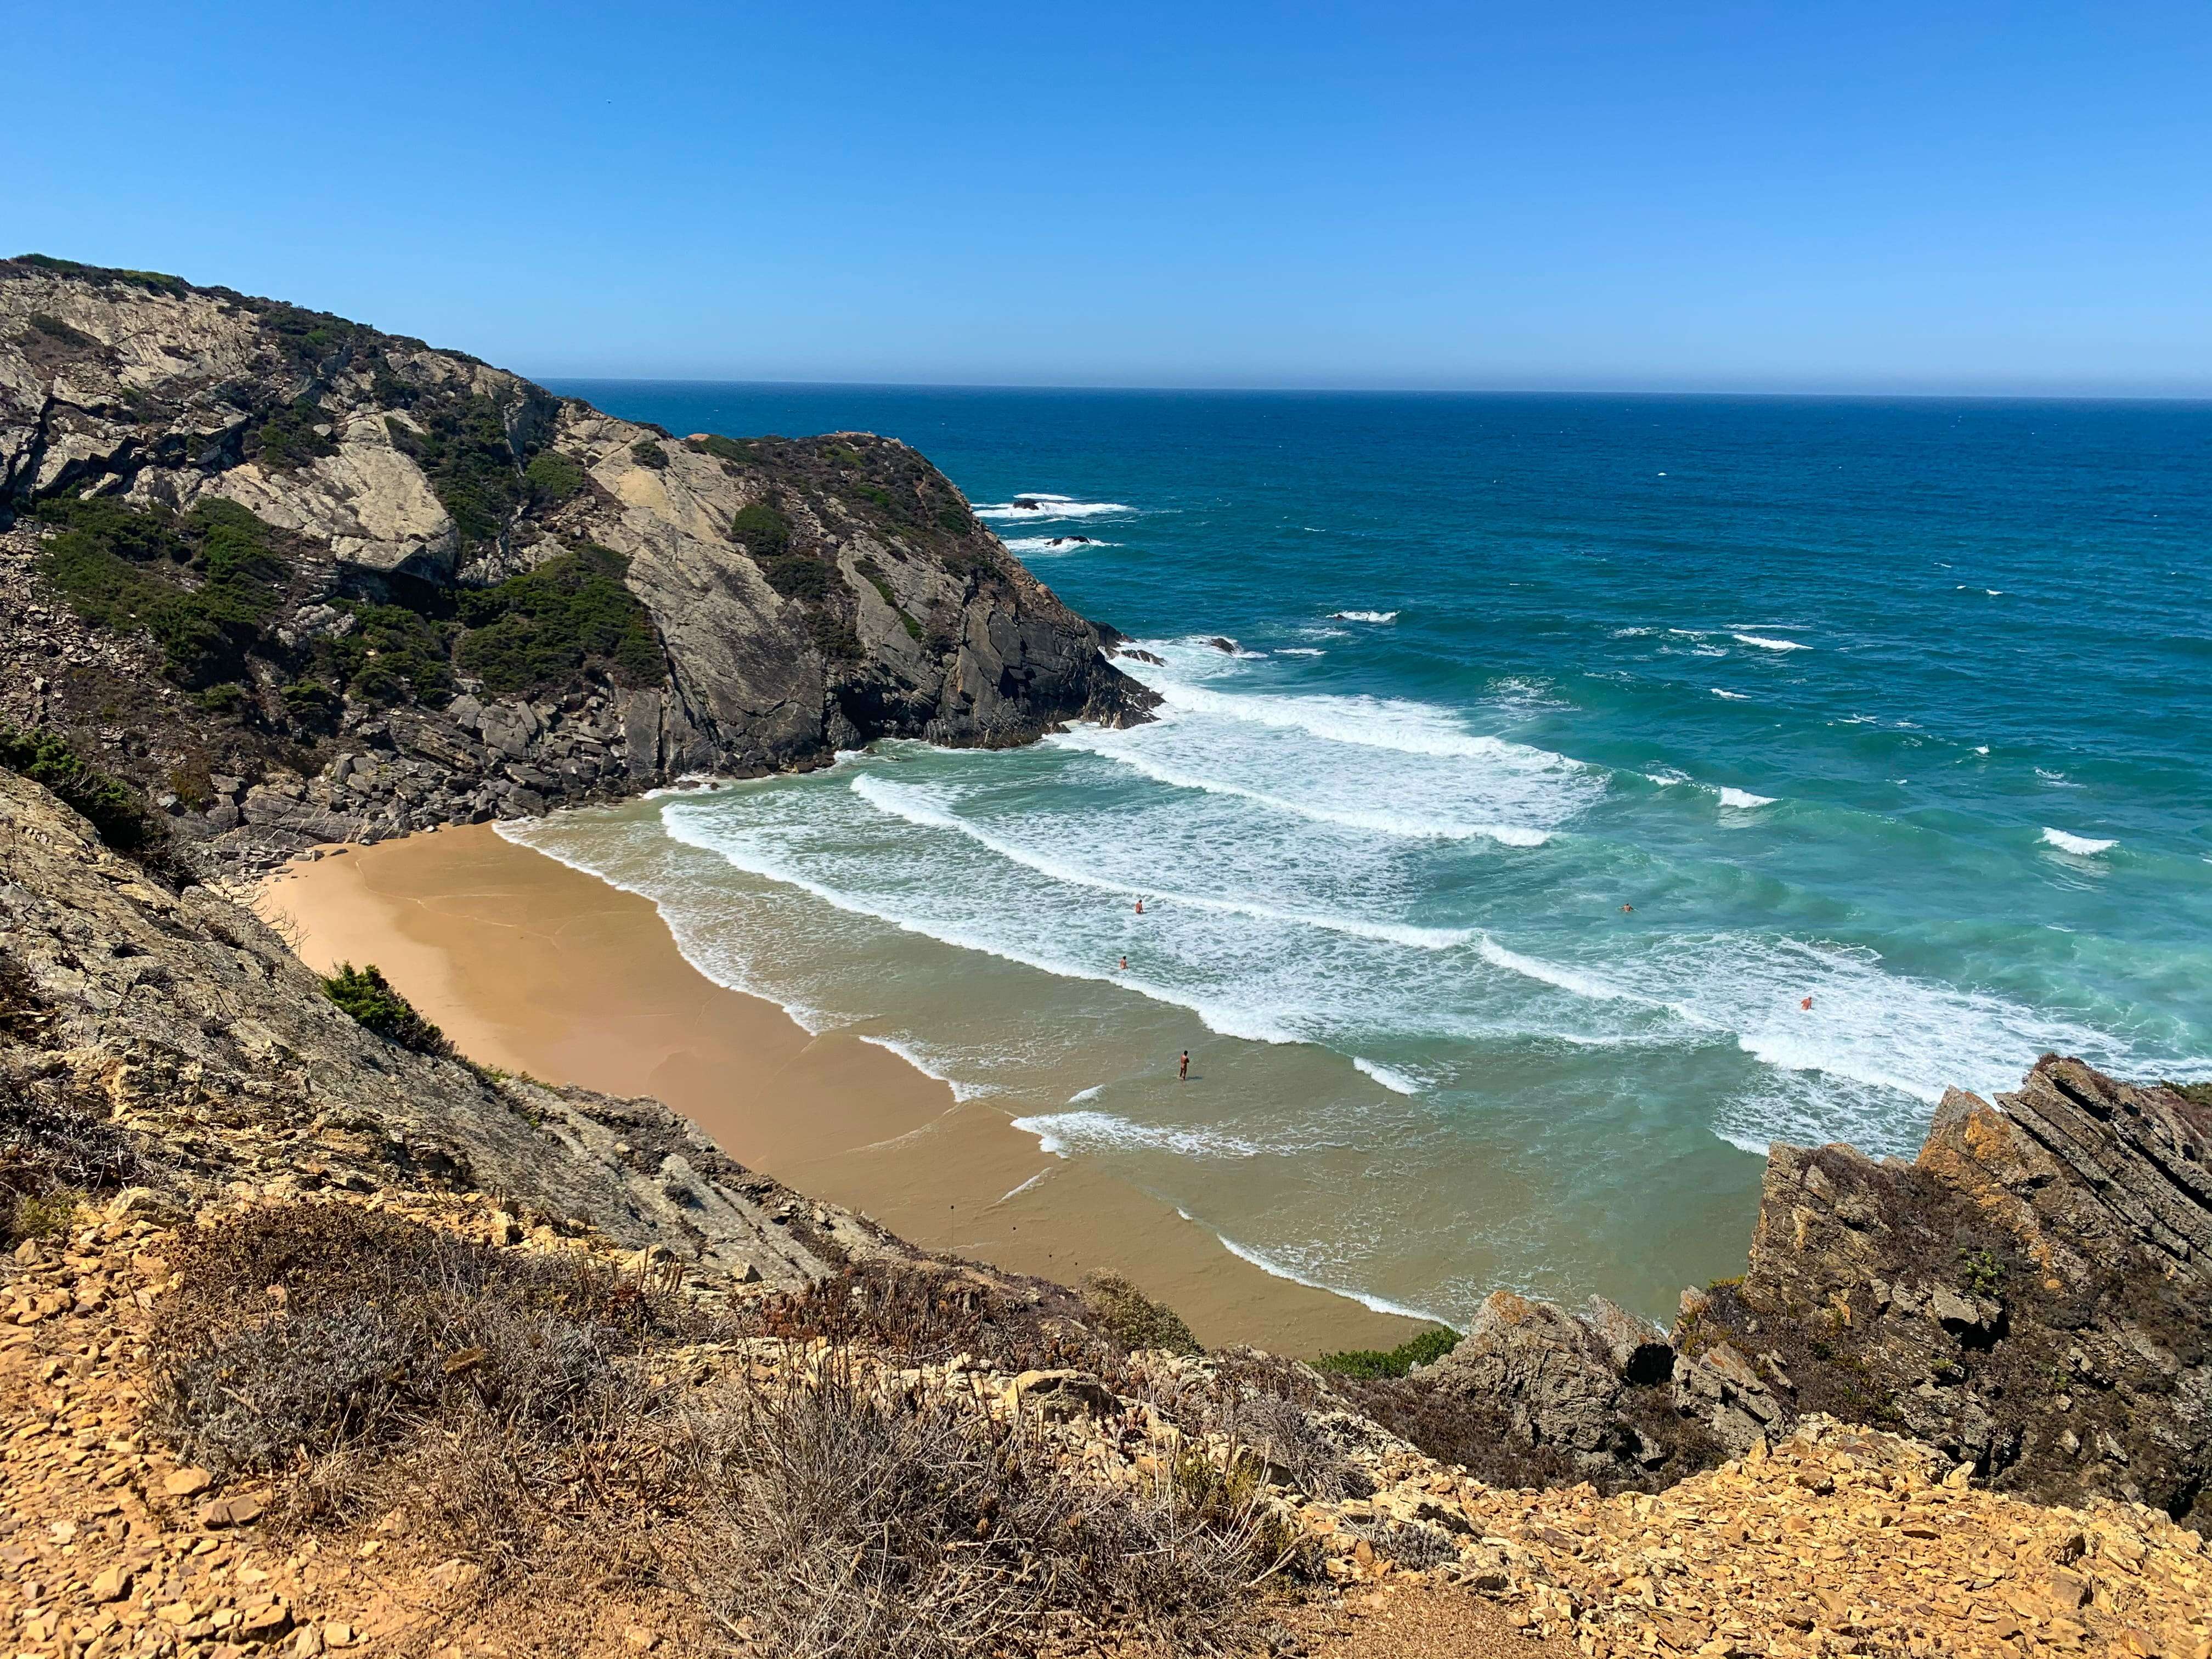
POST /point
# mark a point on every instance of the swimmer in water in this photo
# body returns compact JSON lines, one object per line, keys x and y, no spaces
{"x":1125,"y":965}
{"x":1807,"y":1005}
{"x":1182,"y":1070}
{"x":1140,"y":906}
{"x":1627,"y":908}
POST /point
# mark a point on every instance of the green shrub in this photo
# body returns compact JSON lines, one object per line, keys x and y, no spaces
{"x":309,"y":339}
{"x":762,"y":528}
{"x":1134,"y":1319}
{"x":955,"y":519}
{"x":288,"y":439}
{"x":1367,"y":1364}
{"x":226,"y":697}
{"x":368,"y":997}
{"x":645,"y":453}
{"x":112,"y":806}
{"x":800,"y":576}
{"x":462,"y":449}
{"x":153,"y":281}
{"x":125,"y":570}
{"x":553,"y":477}
{"x":55,"y":329}
{"x":391,"y":652}
{"x":537,"y":630}
{"x":723,"y":449}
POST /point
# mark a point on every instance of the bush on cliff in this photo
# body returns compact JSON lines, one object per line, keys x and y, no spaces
{"x":537,"y":630}
{"x":113,"y":807}
{"x":366,"y":995}
{"x":1366,"y":1365}
{"x":553,"y":477}
{"x":463,"y":448}
{"x":203,"y":584}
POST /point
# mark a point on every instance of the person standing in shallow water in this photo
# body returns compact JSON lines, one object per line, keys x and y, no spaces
{"x":1182,"y":1070}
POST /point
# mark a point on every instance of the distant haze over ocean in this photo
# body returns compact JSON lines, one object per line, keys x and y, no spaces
{"x":1904,"y":706}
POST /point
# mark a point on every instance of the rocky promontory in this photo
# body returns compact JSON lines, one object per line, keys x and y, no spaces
{"x":303,"y":580}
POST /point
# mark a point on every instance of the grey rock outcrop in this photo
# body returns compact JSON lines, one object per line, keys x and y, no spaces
{"x":180,"y":1019}
{"x":799,"y":596}
{"x":2032,"y":1297}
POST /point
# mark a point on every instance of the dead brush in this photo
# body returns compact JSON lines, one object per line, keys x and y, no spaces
{"x":1267,"y":1405}
{"x":838,"y":1519}
{"x":369,"y":1362}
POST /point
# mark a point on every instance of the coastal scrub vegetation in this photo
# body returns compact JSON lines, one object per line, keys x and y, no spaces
{"x":366,"y":995}
{"x":461,"y":445}
{"x":554,"y":477}
{"x":202,"y":583}
{"x":115,"y":810}
{"x":763,"y":527}
{"x":542,"y":1414}
{"x":1367,"y":1364}
{"x":539,"y":629}
{"x":153,"y":281}
{"x":1134,"y":1319}
{"x":56,"y":1145}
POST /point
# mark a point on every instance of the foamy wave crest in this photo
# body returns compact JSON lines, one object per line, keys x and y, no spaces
{"x":755,"y":857}
{"x":1066,"y":1133}
{"x":920,"y":808}
{"x":1364,"y":616}
{"x":1733,"y":696}
{"x":2081,"y":847}
{"x":1301,"y":651}
{"x":1049,"y":547}
{"x":1269,"y":1264}
{"x":919,"y":1059}
{"x":1411,"y":826}
{"x":1041,"y":505}
{"x":1764,"y":643}
{"x":1410,"y":728}
{"x":1398,"y":1082}
{"x":1743,"y":799}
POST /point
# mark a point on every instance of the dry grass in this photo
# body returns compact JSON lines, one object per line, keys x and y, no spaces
{"x":513,"y":1408}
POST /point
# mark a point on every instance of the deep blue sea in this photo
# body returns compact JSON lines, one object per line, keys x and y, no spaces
{"x":1598,"y":788}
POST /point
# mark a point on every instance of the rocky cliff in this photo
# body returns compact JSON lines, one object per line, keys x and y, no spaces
{"x":305,"y":580}
{"x":2032,"y":1297}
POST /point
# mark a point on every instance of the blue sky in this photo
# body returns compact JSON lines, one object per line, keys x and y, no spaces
{"x":1789,"y":197}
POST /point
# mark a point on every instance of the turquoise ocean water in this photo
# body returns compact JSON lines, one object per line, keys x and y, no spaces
{"x":1902,"y":707}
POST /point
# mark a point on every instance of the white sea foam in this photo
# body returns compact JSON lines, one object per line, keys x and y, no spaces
{"x":919,"y":808}
{"x":1048,"y":506}
{"x":1397,"y":1082}
{"x":2082,"y":847}
{"x":1765,"y":643}
{"x":1382,"y":821}
{"x":1743,"y":799}
{"x":1064,"y":1134}
{"x":1733,"y":696}
{"x":1048,"y":547}
{"x":2057,"y":780}
{"x":919,"y":1059}
{"x":1300,"y":651}
{"x":1082,"y":1095}
{"x":1269,"y":1264}
{"x":1364,"y":616}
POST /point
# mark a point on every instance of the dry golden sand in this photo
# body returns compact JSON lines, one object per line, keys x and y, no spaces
{"x":538,"y":967}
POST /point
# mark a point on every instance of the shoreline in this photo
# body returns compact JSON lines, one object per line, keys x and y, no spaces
{"x":534,"y":966}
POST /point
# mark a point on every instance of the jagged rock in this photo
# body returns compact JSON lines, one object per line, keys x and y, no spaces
{"x":172,"y":1011}
{"x":881,"y":608}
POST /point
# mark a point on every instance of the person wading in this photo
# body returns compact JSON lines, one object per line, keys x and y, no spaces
{"x":1182,"y":1070}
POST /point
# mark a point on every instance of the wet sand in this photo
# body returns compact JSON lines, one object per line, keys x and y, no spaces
{"x":534,"y":967}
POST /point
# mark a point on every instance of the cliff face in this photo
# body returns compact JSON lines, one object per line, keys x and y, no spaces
{"x":315,"y":581}
{"x":173,"y":1032}
{"x":2032,"y":1297}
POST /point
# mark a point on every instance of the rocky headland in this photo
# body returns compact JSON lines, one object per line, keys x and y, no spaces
{"x":301,"y":581}
{"x":314,"y":1334}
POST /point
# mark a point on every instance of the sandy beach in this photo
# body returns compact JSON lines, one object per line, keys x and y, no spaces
{"x":535,"y":967}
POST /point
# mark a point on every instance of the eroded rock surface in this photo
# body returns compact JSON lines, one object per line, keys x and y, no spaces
{"x":180,"y":1019}
{"x":799,"y":595}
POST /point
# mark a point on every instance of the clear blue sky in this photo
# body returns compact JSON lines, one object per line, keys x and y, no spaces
{"x":1878,"y":195}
